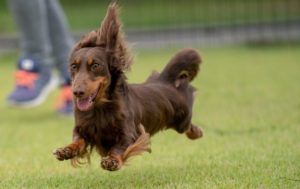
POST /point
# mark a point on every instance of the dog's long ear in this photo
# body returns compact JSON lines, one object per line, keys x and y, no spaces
{"x":112,"y":38}
{"x":108,"y":34}
{"x":110,"y":28}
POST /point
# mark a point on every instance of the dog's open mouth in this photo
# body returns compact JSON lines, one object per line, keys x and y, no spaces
{"x":84,"y":104}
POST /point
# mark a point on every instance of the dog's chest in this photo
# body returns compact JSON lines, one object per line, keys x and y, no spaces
{"x":98,"y":128}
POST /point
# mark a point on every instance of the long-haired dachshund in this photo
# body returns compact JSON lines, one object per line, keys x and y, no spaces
{"x":118,"y":118}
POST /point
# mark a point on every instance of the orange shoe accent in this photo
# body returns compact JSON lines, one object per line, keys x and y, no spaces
{"x":26,"y":79}
{"x":64,"y":95}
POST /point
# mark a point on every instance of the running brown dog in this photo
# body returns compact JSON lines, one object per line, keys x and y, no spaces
{"x":118,"y":118}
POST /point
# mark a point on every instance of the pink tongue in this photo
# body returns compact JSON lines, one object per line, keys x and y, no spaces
{"x":84,"y":104}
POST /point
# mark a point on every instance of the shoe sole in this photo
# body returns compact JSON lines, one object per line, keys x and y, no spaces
{"x":39,"y":99}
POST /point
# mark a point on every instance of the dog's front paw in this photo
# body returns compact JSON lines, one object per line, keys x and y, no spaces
{"x":65,"y":153}
{"x":194,"y":132}
{"x":110,"y":163}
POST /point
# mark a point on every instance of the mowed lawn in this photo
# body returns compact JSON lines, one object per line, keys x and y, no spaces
{"x":248,"y":105}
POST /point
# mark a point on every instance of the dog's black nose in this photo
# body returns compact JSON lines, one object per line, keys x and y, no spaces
{"x":78,"y":92}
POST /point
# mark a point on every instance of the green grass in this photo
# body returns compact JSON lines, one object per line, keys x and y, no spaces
{"x":86,"y":15}
{"x":248,"y":105}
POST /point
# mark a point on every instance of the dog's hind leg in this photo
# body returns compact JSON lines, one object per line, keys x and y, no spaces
{"x":194,"y":132}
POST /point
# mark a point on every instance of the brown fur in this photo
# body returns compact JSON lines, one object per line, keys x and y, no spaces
{"x":123,"y":116}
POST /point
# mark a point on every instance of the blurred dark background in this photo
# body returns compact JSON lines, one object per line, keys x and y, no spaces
{"x":165,"y":23}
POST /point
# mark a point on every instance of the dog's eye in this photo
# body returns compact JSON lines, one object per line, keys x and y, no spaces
{"x":73,"y":66}
{"x":95,"y":65}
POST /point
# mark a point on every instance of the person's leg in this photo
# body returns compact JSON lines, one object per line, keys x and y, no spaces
{"x":34,"y":64}
{"x":61,"y":43}
{"x":60,"y":38}
{"x":31,"y":21}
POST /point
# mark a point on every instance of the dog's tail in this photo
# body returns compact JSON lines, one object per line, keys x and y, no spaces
{"x":182,"y":68}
